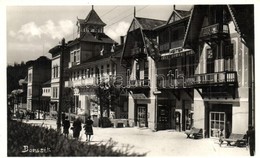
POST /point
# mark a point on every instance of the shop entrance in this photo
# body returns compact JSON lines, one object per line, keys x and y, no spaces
{"x":219,"y":116}
{"x":142,"y":115}
{"x":217,"y":123}
{"x":163,"y":117}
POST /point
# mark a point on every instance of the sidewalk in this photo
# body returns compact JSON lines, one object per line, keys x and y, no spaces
{"x":161,"y":143}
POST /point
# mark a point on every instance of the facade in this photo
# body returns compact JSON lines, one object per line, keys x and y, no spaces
{"x":46,"y":96}
{"x":174,"y":73}
{"x":139,"y":54}
{"x":55,"y":77}
{"x":38,"y":73}
{"x":193,"y":70}
{"x":223,"y":72}
{"x":94,"y":60}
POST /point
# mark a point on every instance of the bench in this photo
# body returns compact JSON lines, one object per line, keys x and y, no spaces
{"x":234,"y":139}
{"x":194,"y":132}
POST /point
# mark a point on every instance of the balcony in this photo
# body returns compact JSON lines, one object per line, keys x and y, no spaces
{"x":214,"y":32}
{"x":199,"y":80}
{"x":217,"y":78}
{"x":142,"y":83}
{"x":80,"y":82}
{"x":181,"y":82}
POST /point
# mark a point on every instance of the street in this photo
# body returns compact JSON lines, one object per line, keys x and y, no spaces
{"x":161,"y":143}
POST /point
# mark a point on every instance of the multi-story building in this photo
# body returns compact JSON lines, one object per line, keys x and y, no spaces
{"x":139,"y":54}
{"x":197,"y":71}
{"x":94,"y":59}
{"x":175,"y":70}
{"x":39,"y":72}
{"x":55,"y":77}
{"x":224,"y":47}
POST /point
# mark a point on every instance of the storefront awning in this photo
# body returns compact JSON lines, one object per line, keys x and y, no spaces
{"x":140,"y":98}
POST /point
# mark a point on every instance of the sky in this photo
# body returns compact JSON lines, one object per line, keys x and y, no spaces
{"x":33,"y":30}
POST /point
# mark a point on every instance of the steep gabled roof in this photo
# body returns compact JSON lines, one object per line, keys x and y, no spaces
{"x":94,"y":38}
{"x":182,"y":13}
{"x":149,"y":24}
{"x":242,"y":16}
{"x":144,"y":25}
{"x":92,"y":19}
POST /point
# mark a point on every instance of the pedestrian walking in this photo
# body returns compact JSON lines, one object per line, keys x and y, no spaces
{"x":66,"y":126}
{"x":88,"y":129}
{"x":251,"y":140}
{"x":76,"y":128}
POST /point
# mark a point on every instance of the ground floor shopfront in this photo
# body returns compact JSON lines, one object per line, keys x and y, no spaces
{"x":214,"y":115}
{"x":168,"y":109}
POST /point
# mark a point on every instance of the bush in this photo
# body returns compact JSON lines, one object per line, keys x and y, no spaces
{"x":48,"y":142}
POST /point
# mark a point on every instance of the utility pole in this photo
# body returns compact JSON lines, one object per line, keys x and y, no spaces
{"x":60,"y":85}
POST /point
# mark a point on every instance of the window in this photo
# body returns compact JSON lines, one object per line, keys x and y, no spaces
{"x":102,"y":70}
{"x":108,"y":69}
{"x":146,"y":70}
{"x":209,"y":54}
{"x":229,"y":50}
{"x":55,"y":92}
{"x":92,"y":72}
{"x":88,"y":72}
{"x":114,"y":69}
{"x":77,"y":55}
{"x":55,"y":71}
{"x":78,"y":73}
{"x":29,"y":92}
{"x":137,"y":72}
{"x":30,"y":78}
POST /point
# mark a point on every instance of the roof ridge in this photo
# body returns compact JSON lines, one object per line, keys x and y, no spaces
{"x":150,"y":19}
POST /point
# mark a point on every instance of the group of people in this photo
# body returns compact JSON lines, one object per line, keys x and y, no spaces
{"x":77,"y":127}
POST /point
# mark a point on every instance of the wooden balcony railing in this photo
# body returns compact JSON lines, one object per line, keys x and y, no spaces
{"x":226,"y":77}
{"x":229,"y":77}
{"x":212,"y":30}
{"x":80,"y":82}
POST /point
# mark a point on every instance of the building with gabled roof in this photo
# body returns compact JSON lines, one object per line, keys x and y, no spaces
{"x":222,"y":37}
{"x":94,"y":58}
{"x":139,"y":56}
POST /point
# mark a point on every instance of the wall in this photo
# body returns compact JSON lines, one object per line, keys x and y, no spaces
{"x":131,"y":110}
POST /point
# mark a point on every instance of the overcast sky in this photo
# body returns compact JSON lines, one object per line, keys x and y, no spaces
{"x":33,"y":30}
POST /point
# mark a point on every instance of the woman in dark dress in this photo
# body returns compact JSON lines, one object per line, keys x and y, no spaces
{"x":76,"y":128}
{"x":66,"y":126}
{"x":88,"y":128}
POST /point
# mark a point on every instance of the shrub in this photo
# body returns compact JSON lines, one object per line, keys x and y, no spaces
{"x":48,"y":142}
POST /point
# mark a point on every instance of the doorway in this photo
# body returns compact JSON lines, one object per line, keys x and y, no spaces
{"x":164,"y":117}
{"x":142,"y":115}
{"x":217,"y":124}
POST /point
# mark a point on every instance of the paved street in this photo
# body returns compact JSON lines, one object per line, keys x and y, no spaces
{"x":161,"y":143}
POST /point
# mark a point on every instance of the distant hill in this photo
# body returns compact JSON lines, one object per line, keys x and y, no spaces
{"x":14,"y":74}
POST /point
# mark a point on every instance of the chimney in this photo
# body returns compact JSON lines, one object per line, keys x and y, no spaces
{"x":122,"y":38}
